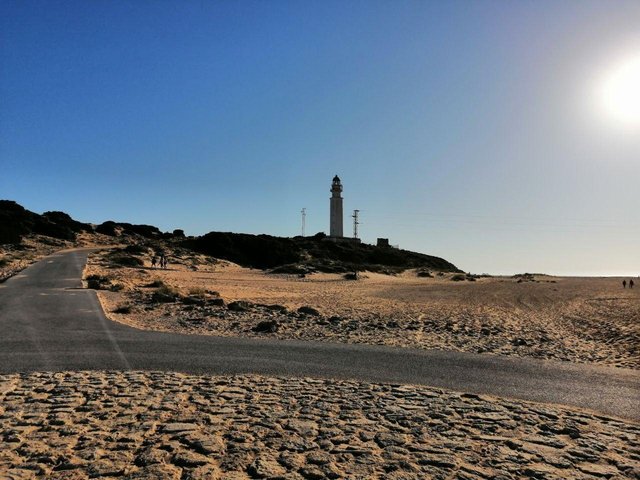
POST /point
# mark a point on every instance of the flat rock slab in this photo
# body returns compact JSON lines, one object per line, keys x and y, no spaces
{"x":301,"y":428}
{"x":178,"y":427}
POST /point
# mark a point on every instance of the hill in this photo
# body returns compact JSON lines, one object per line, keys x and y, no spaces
{"x":308,"y":254}
{"x":16,"y":222}
{"x":280,"y":254}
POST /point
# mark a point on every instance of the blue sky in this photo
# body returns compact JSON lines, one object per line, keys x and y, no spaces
{"x":462,"y":129}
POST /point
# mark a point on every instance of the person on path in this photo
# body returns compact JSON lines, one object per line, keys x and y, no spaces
{"x":624,"y":284}
{"x":154,"y":261}
{"x":631,"y":283}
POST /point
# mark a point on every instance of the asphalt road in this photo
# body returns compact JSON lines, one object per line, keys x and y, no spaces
{"x":49,"y":323}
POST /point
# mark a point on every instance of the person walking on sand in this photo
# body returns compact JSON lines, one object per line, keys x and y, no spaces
{"x":154,"y":261}
{"x":631,"y":283}
{"x":624,"y":284}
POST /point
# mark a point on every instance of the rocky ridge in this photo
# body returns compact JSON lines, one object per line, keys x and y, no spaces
{"x":302,"y":254}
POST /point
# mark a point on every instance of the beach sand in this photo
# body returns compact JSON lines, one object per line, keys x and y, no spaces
{"x":163,"y":425}
{"x":588,"y":320}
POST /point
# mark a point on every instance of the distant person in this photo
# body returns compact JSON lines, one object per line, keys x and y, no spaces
{"x":624,"y":284}
{"x":154,"y":261}
{"x":631,"y":283}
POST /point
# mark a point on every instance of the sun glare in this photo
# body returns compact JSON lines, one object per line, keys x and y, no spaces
{"x":620,"y":92}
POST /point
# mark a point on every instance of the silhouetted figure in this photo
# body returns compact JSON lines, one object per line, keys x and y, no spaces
{"x":154,"y":261}
{"x":163,"y":261}
{"x":624,"y":284}
{"x":631,"y":283}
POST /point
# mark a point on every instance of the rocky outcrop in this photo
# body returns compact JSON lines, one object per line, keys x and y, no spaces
{"x":16,"y":222}
{"x":301,"y":255}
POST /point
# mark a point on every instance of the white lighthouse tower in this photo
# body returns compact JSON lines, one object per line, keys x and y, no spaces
{"x":335,"y":226}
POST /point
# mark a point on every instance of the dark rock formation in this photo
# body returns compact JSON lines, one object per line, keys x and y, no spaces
{"x":16,"y":221}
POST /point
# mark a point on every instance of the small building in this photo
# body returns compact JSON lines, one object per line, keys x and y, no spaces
{"x":383,"y":242}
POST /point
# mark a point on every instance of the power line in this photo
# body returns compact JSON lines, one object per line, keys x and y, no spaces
{"x":355,"y":223}
{"x":452,"y":224}
{"x":520,"y":220}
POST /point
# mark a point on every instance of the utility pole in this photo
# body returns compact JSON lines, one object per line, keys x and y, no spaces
{"x":355,"y":223}
{"x":304,"y":215}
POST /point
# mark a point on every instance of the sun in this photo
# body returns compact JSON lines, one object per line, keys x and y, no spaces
{"x":620,"y":92}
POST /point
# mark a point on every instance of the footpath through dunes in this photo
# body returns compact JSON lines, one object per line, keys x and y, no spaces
{"x":50,"y":324}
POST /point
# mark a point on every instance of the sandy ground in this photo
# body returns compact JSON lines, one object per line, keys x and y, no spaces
{"x":571,"y":319}
{"x":146,"y":425}
{"x":154,"y":425}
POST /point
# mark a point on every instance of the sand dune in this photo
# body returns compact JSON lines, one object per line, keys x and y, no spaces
{"x":571,"y":319}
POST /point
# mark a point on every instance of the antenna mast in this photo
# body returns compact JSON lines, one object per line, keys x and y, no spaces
{"x":303,"y":212}
{"x":355,"y":223}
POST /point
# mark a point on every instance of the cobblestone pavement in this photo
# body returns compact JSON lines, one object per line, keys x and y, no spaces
{"x":141,"y":425}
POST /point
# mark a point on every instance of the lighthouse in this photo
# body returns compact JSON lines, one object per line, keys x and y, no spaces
{"x":335,"y":225}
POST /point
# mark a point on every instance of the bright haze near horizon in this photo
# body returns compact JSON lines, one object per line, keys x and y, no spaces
{"x":502,"y":136}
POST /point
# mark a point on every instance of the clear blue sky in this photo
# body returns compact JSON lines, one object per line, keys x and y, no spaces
{"x":464,"y":129}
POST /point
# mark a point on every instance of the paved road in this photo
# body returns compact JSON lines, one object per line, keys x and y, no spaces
{"x":48,"y":322}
